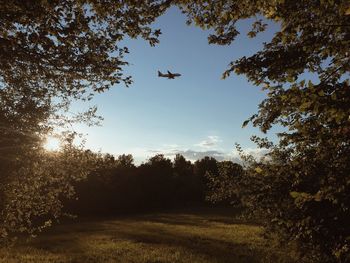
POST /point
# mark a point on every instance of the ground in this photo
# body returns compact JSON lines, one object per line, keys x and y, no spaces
{"x":191,"y":236}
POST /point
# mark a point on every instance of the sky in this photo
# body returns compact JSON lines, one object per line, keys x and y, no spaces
{"x":197,"y":114}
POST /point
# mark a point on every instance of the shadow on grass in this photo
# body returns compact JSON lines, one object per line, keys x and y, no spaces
{"x":213,"y":248}
{"x":213,"y":236}
{"x":205,"y":218}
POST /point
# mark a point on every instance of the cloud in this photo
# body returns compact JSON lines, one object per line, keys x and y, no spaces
{"x":210,"y":142}
{"x":166,"y":148}
{"x":257,"y":153}
{"x":208,"y":149}
{"x":196,"y":155}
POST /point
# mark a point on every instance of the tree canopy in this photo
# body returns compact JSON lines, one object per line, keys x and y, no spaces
{"x":71,"y":47}
{"x":55,"y":51}
{"x":302,"y":188}
{"x":313,"y":38}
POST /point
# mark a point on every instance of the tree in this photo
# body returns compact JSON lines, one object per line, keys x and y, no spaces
{"x":182,"y":167}
{"x":53,"y":52}
{"x":125,"y":161}
{"x":32,"y":198}
{"x":68,"y":48}
{"x":225,"y":186}
{"x":20,"y":138}
{"x":187,"y":185}
{"x":303,"y":187}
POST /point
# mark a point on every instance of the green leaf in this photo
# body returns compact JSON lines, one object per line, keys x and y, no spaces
{"x":258,"y":170}
{"x":321,"y":93}
{"x":294,"y":194}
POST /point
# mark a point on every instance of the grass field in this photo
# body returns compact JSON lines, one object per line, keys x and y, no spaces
{"x":179,"y":236}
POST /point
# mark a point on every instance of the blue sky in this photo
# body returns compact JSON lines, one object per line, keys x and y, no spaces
{"x":196,"y":114}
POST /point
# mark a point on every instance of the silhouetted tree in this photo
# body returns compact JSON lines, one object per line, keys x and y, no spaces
{"x":203,"y":166}
{"x":188,"y":186}
{"x":303,"y":187}
{"x":115,"y":188}
{"x":225,"y":186}
{"x":51,"y":53}
{"x":182,"y":167}
{"x":67,"y":45}
{"x":125,"y":161}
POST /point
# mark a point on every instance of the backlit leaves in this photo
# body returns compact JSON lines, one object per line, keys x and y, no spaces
{"x":304,"y":190}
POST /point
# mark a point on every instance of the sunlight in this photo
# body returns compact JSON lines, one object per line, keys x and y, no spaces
{"x":52,"y":143}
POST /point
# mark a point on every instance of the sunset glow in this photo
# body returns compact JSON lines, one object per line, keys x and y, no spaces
{"x":52,"y":143}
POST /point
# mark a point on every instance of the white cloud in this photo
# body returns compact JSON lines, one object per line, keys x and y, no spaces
{"x":257,"y":153}
{"x":193,"y":155}
{"x":210,"y":142}
{"x":209,"y":148}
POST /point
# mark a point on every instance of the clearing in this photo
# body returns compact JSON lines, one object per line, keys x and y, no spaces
{"x":201,"y":235}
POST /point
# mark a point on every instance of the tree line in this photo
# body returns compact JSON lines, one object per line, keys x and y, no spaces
{"x":55,"y":52}
{"x":119,"y":186}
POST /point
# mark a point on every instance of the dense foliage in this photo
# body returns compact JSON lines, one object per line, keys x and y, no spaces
{"x":302,"y":188}
{"x":223,"y":186}
{"x":118,"y":186}
{"x":70,"y":49}
{"x":33,"y":195}
{"x":52,"y":52}
{"x":33,"y":182}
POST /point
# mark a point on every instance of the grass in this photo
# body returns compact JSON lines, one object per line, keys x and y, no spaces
{"x":204,"y":235}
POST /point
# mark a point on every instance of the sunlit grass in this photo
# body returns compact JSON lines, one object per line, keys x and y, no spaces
{"x":165,"y":237}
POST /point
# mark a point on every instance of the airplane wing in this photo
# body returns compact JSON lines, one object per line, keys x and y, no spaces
{"x":169,"y":75}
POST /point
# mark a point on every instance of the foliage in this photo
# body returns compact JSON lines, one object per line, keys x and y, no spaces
{"x":118,"y":186}
{"x":224,"y":186}
{"x":201,"y":168}
{"x":53,"y":52}
{"x":303,"y":186}
{"x":303,"y":196}
{"x":20,"y":132}
{"x":70,"y":47}
{"x":33,"y":182}
{"x":34,"y":192}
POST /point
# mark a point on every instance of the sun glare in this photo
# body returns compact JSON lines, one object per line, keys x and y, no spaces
{"x":52,"y":144}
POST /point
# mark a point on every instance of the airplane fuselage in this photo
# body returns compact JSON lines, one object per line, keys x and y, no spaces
{"x":169,"y":75}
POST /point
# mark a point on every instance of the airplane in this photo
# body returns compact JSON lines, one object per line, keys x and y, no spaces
{"x":169,"y":75}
